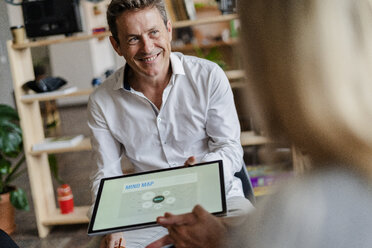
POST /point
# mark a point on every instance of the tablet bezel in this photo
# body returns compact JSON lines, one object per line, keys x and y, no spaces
{"x":151,"y":224}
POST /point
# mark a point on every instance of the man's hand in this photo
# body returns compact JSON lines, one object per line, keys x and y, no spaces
{"x":112,"y":241}
{"x":190,"y":161}
{"x":198,"y":229}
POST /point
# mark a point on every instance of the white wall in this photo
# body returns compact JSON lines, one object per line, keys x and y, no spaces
{"x":80,"y":62}
{"x":15,"y":15}
{"x":6,"y":85}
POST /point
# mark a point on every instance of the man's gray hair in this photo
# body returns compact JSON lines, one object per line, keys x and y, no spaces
{"x":117,"y":7}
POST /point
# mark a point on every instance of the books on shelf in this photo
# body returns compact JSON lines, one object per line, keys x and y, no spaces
{"x":269,"y":180}
{"x":170,"y":11}
{"x":53,"y":143}
{"x":180,"y":10}
{"x":268,"y":175}
{"x":55,"y":93}
{"x":190,"y":9}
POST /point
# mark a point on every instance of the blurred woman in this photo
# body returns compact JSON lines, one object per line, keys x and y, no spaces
{"x":309,"y":70}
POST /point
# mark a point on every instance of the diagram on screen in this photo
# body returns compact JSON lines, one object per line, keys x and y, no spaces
{"x":156,"y":201}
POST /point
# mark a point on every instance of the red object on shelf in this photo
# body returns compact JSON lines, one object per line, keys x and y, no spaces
{"x":65,"y":199}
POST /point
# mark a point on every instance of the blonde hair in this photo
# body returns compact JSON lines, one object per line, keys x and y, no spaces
{"x":309,"y":68}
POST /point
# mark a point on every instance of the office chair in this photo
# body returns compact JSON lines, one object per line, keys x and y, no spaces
{"x":246,"y":183}
{"x":6,"y":241}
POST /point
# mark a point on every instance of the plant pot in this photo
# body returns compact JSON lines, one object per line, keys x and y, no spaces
{"x":7,"y":221}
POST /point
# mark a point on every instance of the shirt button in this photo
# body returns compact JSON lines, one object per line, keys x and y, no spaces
{"x":159,"y":119}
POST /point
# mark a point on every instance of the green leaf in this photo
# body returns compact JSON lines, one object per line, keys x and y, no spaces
{"x":19,"y":200}
{"x":52,"y":124}
{"x":213,"y":55}
{"x":10,"y":132}
{"x":4,"y":166}
{"x":8,"y":113}
{"x":10,"y":137}
{"x":14,"y":173}
{"x":199,"y":5}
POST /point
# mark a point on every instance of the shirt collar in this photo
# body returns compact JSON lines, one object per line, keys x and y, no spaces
{"x":177,"y":67}
{"x":125,"y":78}
{"x":119,"y":78}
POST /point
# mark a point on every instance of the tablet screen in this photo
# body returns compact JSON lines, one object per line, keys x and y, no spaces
{"x":135,"y":201}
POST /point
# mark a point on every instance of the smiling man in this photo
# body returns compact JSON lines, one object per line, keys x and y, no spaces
{"x":161,"y":109}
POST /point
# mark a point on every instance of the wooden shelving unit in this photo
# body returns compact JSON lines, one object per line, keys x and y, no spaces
{"x":235,"y":74}
{"x":212,"y":19}
{"x":191,"y":47}
{"x":262,"y":190}
{"x":46,"y":212}
{"x":32,"y":126}
{"x":249,"y":138}
{"x":180,"y":24}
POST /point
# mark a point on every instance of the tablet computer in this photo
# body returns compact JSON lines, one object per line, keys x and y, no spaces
{"x":134,"y":201}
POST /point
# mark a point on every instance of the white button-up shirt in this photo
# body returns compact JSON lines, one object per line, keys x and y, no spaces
{"x":197,"y":118}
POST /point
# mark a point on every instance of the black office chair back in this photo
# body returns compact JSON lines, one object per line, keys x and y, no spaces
{"x":6,"y":241}
{"x":246,"y":183}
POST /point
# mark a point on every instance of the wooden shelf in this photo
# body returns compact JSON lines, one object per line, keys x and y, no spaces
{"x":77,"y":217}
{"x":180,"y":24}
{"x":84,"y":145}
{"x":206,"y":20}
{"x":237,"y":85}
{"x":231,"y":75}
{"x":235,"y":74}
{"x":250,"y":139}
{"x":53,"y":41}
{"x":191,"y":47}
{"x":246,"y":138}
{"x":262,"y":190}
{"x":48,"y":97}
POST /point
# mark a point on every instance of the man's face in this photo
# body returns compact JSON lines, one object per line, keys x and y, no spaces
{"x":144,"y":41}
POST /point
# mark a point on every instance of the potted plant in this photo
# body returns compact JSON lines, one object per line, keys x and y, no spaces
{"x":11,"y":160}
